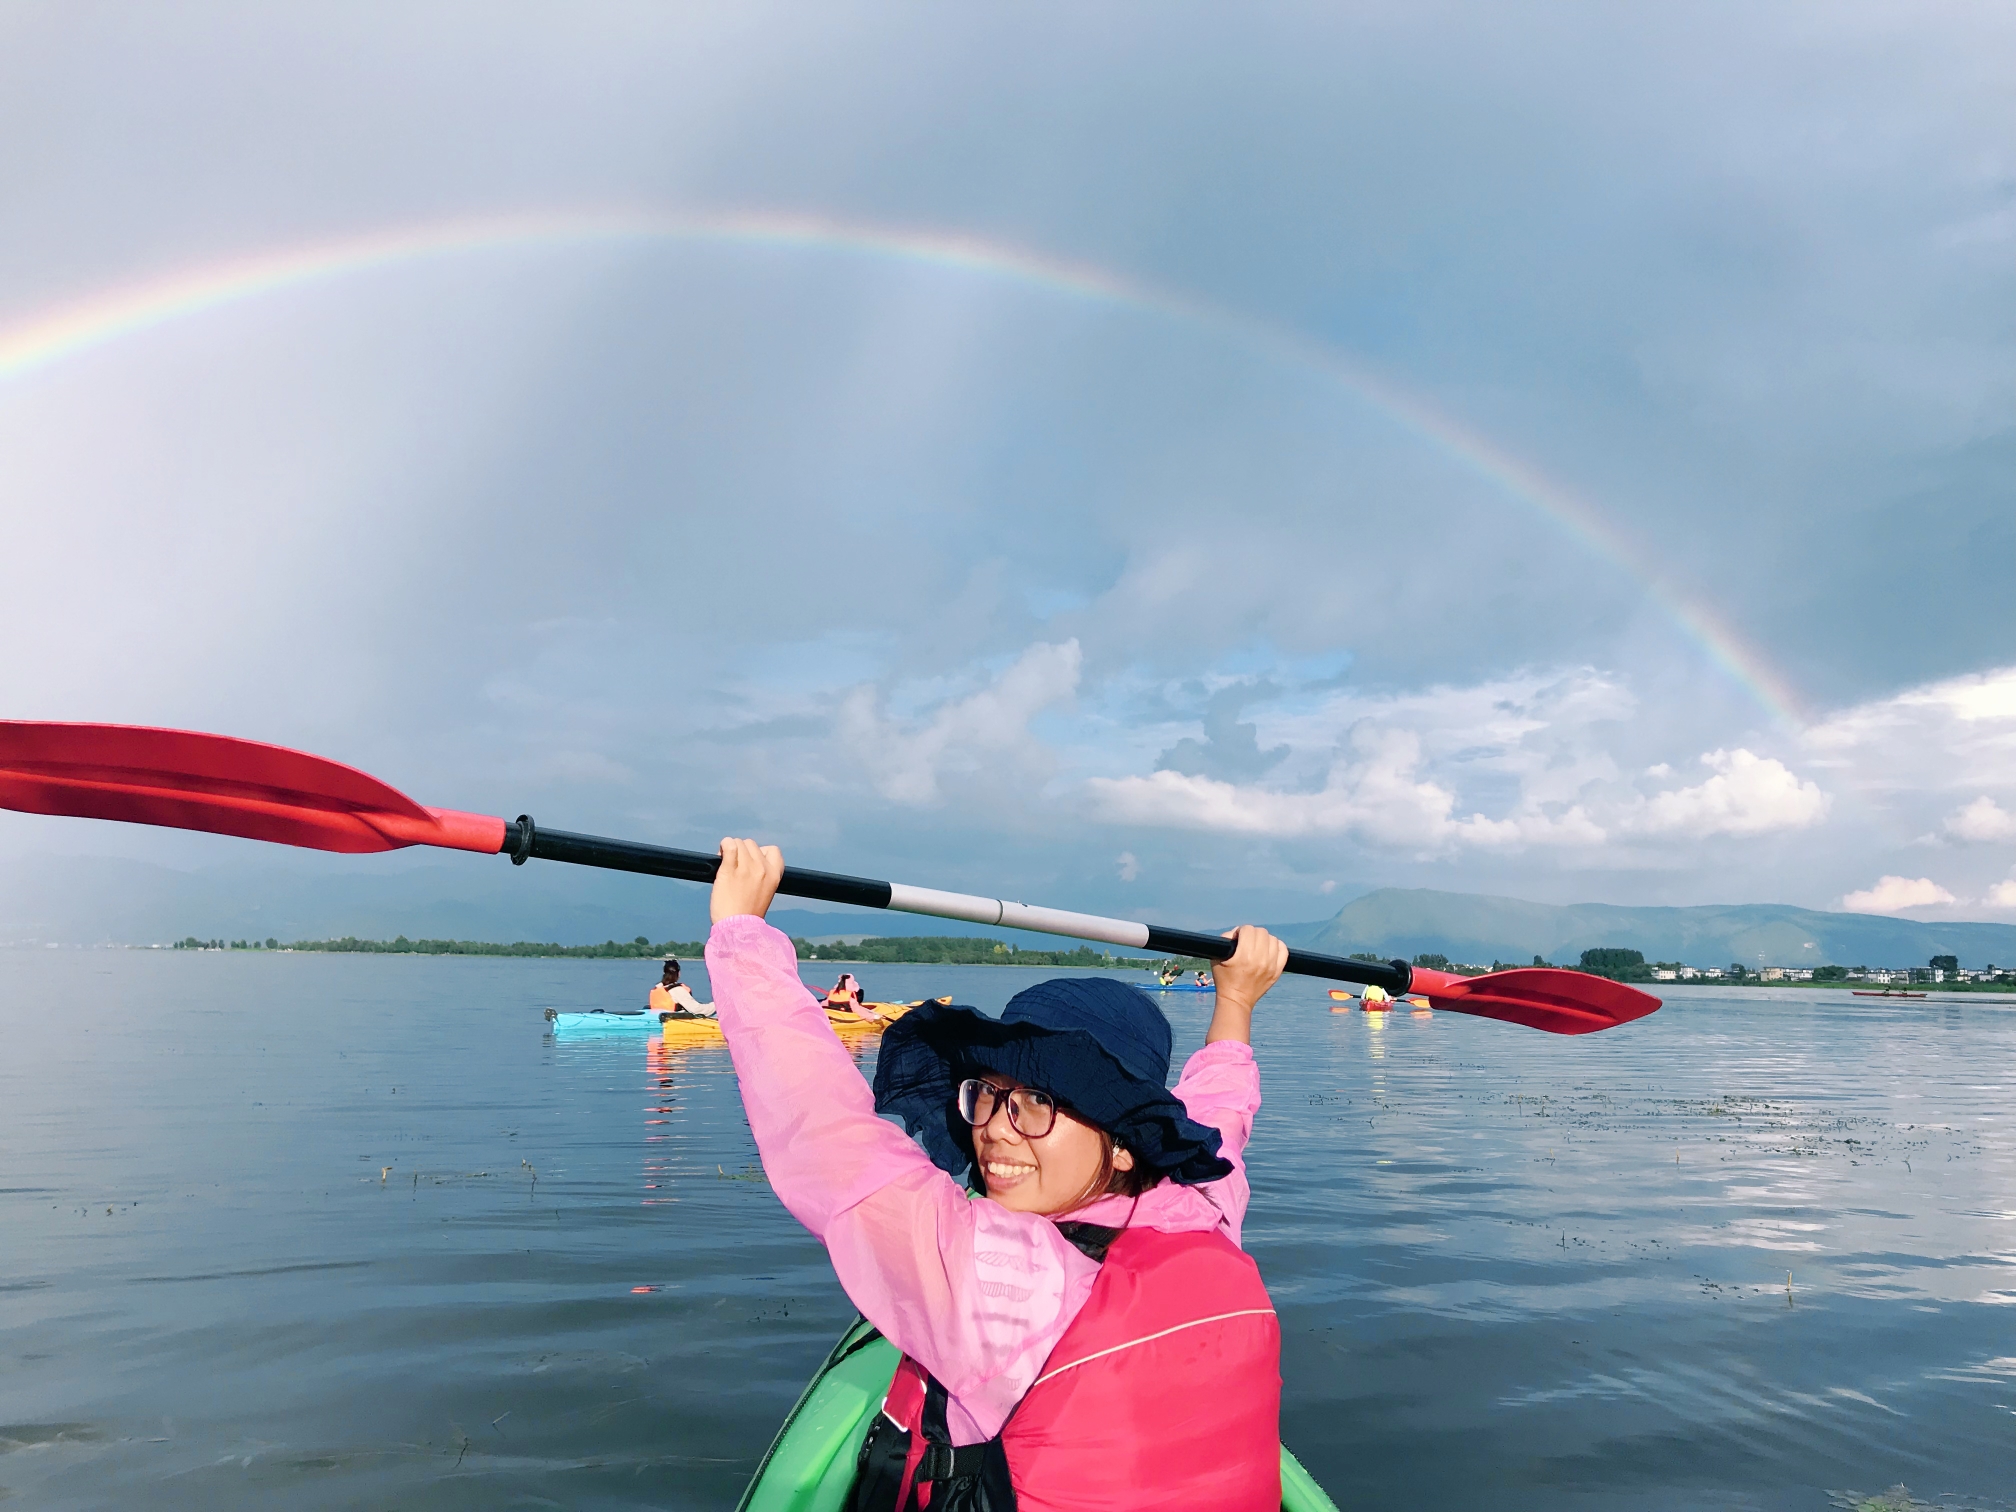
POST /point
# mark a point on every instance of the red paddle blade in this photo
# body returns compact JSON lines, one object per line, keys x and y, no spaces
{"x":184,"y":780}
{"x":1540,"y":997}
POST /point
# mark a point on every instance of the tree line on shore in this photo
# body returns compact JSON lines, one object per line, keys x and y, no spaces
{"x":959,"y":950}
{"x":1616,"y":963}
{"x":1624,"y":965}
{"x":640,"y":948}
{"x":922,"y":950}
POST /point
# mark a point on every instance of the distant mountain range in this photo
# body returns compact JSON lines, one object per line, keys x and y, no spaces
{"x":1470,"y":927}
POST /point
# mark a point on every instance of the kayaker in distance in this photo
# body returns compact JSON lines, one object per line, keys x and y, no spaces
{"x":1079,"y":1327}
{"x":673,"y":996}
{"x":848,"y":996}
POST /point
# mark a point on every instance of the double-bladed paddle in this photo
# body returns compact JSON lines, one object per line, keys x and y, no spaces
{"x":226,"y":786}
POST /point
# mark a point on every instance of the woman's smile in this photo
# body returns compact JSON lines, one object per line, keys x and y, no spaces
{"x":1055,"y":1172}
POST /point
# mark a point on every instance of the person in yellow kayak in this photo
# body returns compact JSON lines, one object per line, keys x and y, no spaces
{"x":673,"y":996}
{"x":849,"y":996}
{"x":1053,"y":1247}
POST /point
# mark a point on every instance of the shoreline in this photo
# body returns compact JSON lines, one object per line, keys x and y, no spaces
{"x":1933,"y":995}
{"x":688,"y":950}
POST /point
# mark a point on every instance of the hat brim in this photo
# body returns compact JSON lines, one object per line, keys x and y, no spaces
{"x":931,"y":1049}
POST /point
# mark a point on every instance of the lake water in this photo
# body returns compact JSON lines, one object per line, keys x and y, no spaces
{"x":292,"y":1231}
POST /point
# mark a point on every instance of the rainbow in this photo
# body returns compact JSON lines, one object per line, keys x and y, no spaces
{"x":111,"y":315}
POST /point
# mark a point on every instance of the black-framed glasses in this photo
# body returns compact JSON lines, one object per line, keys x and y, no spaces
{"x":1031,"y":1113}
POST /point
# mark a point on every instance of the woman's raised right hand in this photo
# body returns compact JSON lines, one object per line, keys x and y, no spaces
{"x":747,"y":880}
{"x":1243,"y":980}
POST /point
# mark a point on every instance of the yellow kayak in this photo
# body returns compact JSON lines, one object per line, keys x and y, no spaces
{"x":706,"y":1031}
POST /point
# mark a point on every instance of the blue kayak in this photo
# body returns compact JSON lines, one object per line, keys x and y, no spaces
{"x":606,"y":1018}
{"x":1180,"y":987}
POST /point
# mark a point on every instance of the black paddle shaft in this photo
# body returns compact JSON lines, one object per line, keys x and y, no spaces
{"x":1395,"y":976}
{"x":525,"y":841}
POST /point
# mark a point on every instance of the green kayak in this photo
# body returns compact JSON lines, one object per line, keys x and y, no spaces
{"x":810,"y":1467}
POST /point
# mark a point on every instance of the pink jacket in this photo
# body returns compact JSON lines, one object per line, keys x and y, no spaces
{"x":976,"y":1294}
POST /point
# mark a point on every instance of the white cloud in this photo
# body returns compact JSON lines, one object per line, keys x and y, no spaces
{"x":1375,"y":793}
{"x":2002,"y":894}
{"x":1981,"y":695}
{"x":1983,"y":819}
{"x":1935,"y":762}
{"x":1327,"y":888}
{"x":1391,"y":770}
{"x":1956,"y":733}
{"x":909,"y":760}
{"x":1130,"y":866}
{"x":1748,"y":795}
{"x":1895,"y":894}
{"x":1502,"y":765}
{"x":1384,"y":798}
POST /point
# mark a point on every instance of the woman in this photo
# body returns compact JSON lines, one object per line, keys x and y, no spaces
{"x":1079,"y":1328}
{"x":674,"y":997}
{"x":849,"y":996}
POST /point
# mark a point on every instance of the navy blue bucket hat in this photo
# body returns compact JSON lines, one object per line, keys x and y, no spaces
{"x":1098,"y":1046}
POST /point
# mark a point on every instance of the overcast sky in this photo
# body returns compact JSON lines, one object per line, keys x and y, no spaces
{"x":1175,"y":460}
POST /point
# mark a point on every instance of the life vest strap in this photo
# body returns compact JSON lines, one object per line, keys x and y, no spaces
{"x":942,"y":1462}
{"x":1091,"y":1240}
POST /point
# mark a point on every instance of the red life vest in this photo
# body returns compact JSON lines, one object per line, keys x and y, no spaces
{"x":1164,"y":1392}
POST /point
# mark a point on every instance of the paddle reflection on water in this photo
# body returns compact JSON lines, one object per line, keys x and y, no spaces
{"x":662,"y":1066}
